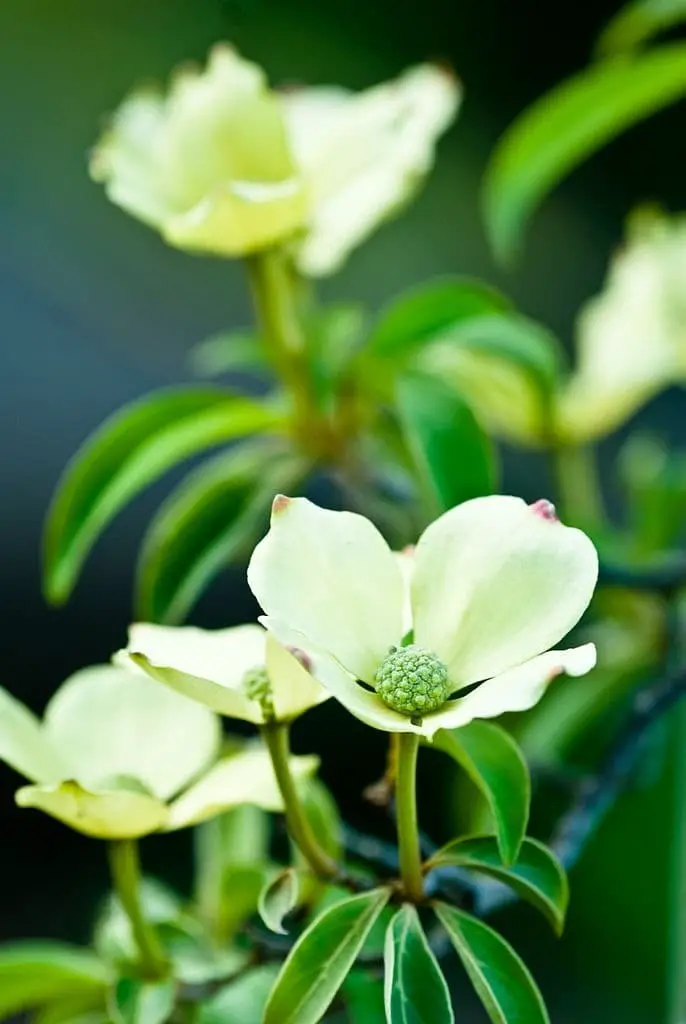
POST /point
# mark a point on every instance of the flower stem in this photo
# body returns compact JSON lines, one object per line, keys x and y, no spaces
{"x":406,"y":813}
{"x":126,"y":874}
{"x":277,"y":740}
{"x":578,"y":487}
{"x":274,"y":297}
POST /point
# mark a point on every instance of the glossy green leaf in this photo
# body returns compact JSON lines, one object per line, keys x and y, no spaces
{"x":429,"y":311}
{"x":135,"y":1001}
{"x":537,"y":875}
{"x":494,"y":762}
{"x":84,"y":1009}
{"x":453,"y":456}
{"x":214,"y":517}
{"x":241,"y":1001}
{"x":415,"y":991}
{"x":278,"y":898}
{"x":514,"y":339}
{"x":637,"y":23}
{"x":566,"y":126}
{"x":36,"y":972}
{"x":502,"y":982}
{"x":131,"y":450}
{"x":194,"y":960}
{"x":363,"y":996}
{"x":321,"y":958}
{"x":228,"y":352}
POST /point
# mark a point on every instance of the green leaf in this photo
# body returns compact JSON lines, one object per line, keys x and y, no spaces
{"x":514,"y":339}
{"x":213,"y":518}
{"x":336,"y":334}
{"x":142,"y":1002}
{"x":537,"y":875}
{"x":131,"y":450}
{"x":453,"y":456}
{"x":425,"y":313}
{"x":363,"y":995}
{"x":321,"y":958}
{"x":567,"y":125}
{"x":501,"y":980}
{"x":278,"y":898}
{"x":228,"y":352}
{"x":415,"y":990}
{"x":32,"y":973}
{"x":240,"y":891}
{"x":242,"y":1000}
{"x":72,"y":1011}
{"x":637,"y":23}
{"x":494,"y":762}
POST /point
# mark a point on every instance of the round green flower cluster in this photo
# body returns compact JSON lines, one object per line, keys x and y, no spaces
{"x":412,"y":681}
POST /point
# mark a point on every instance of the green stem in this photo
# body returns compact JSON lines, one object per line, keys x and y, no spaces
{"x":209,"y":872}
{"x":277,"y":740}
{"x":578,"y":487}
{"x":126,"y":874}
{"x":274,"y":292}
{"x":406,"y":814}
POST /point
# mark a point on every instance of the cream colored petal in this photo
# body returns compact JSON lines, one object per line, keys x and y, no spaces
{"x":112,"y":724}
{"x":360,"y":702}
{"x":406,"y":563}
{"x":294,"y":688}
{"x":208,"y":164}
{"x":496,"y":583}
{"x":116,"y":814}
{"x":364,"y":155}
{"x":245,"y":778}
{"x":518,"y":689}
{"x":631,"y":339}
{"x":239,"y":218}
{"x":24,"y":745}
{"x":332,"y":577}
{"x":207,"y":665}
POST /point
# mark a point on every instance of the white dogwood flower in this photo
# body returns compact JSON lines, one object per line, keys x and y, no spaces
{"x":241,"y":672}
{"x":494,"y":584}
{"x":118,"y":756}
{"x":223,"y":164}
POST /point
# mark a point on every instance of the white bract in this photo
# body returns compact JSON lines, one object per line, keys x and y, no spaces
{"x":631,"y":340}
{"x":242,"y":672}
{"x":118,"y":756}
{"x":225,"y":165}
{"x":364,"y":155}
{"x":494,"y":583}
{"x":630,"y":345}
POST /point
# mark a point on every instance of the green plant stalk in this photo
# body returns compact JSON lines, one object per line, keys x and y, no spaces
{"x":578,"y":488}
{"x":126,"y":874}
{"x":209,"y":865}
{"x":274,"y":293}
{"x":406,"y":817}
{"x":276,"y":738}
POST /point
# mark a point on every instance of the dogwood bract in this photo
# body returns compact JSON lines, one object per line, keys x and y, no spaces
{"x":494,"y":583}
{"x":241,"y":672}
{"x":224,"y":164}
{"x":118,"y":756}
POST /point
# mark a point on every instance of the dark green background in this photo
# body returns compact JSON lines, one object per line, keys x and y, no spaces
{"x":95,"y":311}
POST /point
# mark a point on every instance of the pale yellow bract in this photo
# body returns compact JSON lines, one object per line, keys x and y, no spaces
{"x":630,"y":345}
{"x":492,"y":585}
{"x":223,"y":164}
{"x":117,"y":756}
{"x":211,"y":666}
